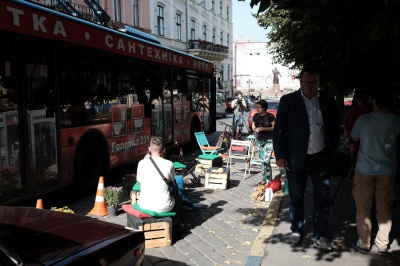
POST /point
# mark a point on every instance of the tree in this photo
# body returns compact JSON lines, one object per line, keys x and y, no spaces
{"x":355,"y":44}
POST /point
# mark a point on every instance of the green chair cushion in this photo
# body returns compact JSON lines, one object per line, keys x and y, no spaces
{"x":154,"y":214}
{"x":178,"y":165}
{"x":136,"y":187}
{"x":209,"y":156}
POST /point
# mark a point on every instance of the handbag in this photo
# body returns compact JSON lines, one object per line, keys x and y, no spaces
{"x":172,"y":186}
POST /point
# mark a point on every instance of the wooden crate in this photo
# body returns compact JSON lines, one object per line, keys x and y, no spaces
{"x":204,"y":164}
{"x":201,"y":169}
{"x":135,"y":196}
{"x":157,"y":231}
{"x":215,"y":178}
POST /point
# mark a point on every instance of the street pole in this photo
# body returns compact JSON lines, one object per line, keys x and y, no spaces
{"x":249,"y":86}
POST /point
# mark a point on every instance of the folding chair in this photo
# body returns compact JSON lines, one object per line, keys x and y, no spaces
{"x":205,"y":147}
{"x":240,"y":149}
{"x":182,"y":167}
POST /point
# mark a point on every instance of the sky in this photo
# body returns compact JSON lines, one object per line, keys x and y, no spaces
{"x":245,"y":26}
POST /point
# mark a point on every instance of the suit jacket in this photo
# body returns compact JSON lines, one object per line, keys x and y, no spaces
{"x":291,"y":131}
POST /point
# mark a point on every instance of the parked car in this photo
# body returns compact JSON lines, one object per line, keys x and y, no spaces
{"x":30,"y":236}
{"x":272,"y":108}
{"x":228,"y":104}
{"x":220,"y":106}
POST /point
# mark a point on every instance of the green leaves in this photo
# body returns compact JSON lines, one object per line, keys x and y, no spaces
{"x":355,"y":45}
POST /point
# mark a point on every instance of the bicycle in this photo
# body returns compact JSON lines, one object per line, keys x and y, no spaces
{"x":224,"y":140}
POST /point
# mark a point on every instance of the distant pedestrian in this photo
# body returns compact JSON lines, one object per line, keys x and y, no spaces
{"x":239,"y":105}
{"x":305,"y":137}
{"x":375,"y":172}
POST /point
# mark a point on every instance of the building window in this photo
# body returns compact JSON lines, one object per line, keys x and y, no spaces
{"x":227,"y":13}
{"x":222,"y":72}
{"x":160,"y":20}
{"x":117,"y":10}
{"x":229,"y":72}
{"x":135,"y":13}
{"x":227,"y":40}
{"x":220,"y":8}
{"x":213,"y":36}
{"x":178,"y":27}
{"x":221,"y":40}
{"x":192,"y":30}
{"x":205,"y":32}
{"x":203,"y":3}
{"x":213,"y":6}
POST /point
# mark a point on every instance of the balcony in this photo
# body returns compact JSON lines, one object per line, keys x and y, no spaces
{"x":84,"y":12}
{"x":208,"y":50}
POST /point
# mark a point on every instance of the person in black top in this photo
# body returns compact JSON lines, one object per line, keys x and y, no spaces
{"x":263,"y":124}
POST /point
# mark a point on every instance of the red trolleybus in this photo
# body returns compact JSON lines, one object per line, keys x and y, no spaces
{"x":78,"y":99}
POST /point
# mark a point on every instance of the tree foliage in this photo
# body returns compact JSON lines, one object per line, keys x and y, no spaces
{"x":355,"y":44}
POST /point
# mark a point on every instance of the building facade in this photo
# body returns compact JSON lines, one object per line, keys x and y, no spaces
{"x":254,"y":70}
{"x":199,"y":27}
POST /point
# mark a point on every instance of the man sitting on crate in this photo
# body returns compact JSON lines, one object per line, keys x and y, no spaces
{"x":154,"y":192}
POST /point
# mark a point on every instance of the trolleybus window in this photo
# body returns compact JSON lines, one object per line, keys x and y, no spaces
{"x":78,"y":99}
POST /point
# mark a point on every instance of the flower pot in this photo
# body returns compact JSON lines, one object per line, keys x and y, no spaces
{"x":112,"y":211}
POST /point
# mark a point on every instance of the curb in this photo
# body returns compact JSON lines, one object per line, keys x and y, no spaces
{"x":259,"y":248}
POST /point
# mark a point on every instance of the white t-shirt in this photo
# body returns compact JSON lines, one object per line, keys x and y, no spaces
{"x":154,"y":192}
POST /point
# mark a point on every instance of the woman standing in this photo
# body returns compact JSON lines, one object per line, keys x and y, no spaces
{"x":263,"y":124}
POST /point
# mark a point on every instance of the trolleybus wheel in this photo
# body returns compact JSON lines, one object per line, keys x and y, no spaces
{"x":90,"y":165}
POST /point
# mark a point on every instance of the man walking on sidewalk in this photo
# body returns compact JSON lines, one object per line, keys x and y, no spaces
{"x":375,"y":172}
{"x":305,"y":137}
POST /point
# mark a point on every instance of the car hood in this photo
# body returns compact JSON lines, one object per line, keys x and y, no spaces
{"x":48,"y":236}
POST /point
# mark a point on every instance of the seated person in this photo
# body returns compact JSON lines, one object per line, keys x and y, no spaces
{"x":154,"y":192}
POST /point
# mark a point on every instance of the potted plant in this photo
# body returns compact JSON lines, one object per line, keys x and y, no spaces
{"x":113,"y":196}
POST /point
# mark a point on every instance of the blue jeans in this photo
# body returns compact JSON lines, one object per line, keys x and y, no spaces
{"x":237,"y":122}
{"x":181,"y":190}
{"x":315,"y":166}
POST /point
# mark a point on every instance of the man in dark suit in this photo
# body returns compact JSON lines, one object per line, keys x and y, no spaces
{"x":305,"y":137}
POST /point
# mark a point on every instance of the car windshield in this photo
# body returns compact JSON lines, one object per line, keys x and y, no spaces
{"x":230,"y":99}
{"x":271,"y":105}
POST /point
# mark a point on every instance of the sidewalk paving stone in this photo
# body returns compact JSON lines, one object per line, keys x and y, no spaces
{"x":237,"y":230}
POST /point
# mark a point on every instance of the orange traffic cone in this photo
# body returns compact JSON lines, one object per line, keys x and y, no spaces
{"x":39,"y":204}
{"x":100,"y":207}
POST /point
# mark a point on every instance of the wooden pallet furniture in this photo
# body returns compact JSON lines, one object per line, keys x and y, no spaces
{"x":157,"y":231}
{"x":206,"y":161}
{"x":217,"y":177}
